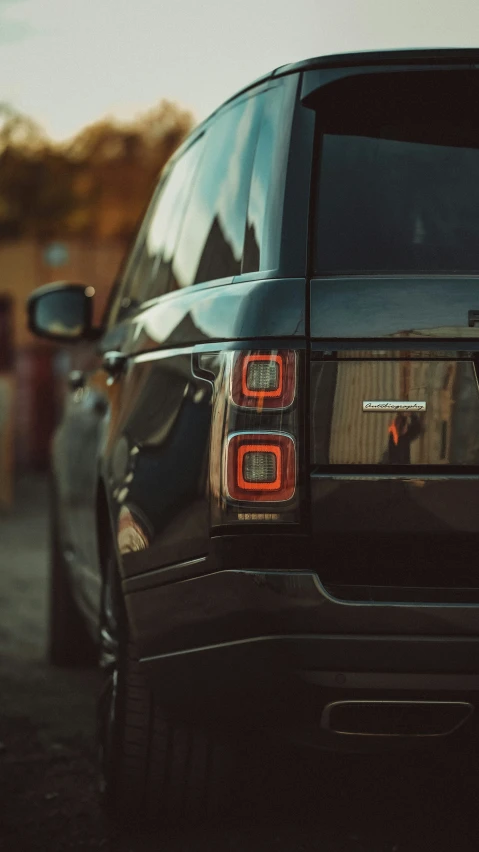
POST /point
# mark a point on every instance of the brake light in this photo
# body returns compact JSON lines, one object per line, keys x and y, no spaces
{"x":255,"y":467}
{"x":264,"y":380}
{"x":261,"y":467}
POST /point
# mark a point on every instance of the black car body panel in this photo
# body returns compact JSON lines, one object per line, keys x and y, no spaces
{"x":381,"y":308}
{"x":361,"y":582}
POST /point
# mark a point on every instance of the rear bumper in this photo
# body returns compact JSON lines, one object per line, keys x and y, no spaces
{"x":291,"y":687}
{"x":273,"y":648}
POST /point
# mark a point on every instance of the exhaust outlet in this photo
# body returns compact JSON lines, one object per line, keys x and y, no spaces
{"x":395,"y":718}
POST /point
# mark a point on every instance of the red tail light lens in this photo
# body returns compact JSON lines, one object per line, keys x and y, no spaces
{"x":264,"y":380}
{"x":261,"y":467}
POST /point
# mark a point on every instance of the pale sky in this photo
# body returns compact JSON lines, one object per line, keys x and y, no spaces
{"x":69,"y":62}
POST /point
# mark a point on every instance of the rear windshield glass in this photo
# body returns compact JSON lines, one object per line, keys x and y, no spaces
{"x":398,"y":176}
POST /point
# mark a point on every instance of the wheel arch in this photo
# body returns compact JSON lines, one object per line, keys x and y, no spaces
{"x":106,"y":537}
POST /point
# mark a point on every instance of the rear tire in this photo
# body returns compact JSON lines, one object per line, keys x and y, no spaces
{"x":152,"y":769}
{"x":69,"y":643}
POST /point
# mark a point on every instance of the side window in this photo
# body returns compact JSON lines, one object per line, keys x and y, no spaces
{"x":152,"y":275}
{"x":212,"y":235}
{"x":268,"y":170}
{"x":121,"y":296}
{"x":146,"y":272}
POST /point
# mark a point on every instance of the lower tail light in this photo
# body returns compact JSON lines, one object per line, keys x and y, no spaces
{"x":261,"y":467}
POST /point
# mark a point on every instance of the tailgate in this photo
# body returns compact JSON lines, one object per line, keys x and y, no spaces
{"x":394,"y":328}
{"x":395,"y":493}
{"x":395,"y":490}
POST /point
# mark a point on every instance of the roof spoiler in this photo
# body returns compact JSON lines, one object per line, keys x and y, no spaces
{"x":318,"y":78}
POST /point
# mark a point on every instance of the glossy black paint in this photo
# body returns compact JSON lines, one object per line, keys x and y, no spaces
{"x":342,"y":433}
{"x":158,"y":464}
{"x":238,"y":310}
{"x":396,"y":306}
{"x":288,"y":649}
{"x":281,"y":618}
{"x":245,"y":605}
{"x":142,"y":434}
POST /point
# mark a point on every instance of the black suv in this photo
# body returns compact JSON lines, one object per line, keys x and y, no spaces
{"x":265,"y":493}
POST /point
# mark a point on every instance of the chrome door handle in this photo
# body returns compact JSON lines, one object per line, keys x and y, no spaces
{"x":113,"y":362}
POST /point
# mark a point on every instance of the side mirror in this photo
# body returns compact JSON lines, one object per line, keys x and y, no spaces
{"x":62,"y":311}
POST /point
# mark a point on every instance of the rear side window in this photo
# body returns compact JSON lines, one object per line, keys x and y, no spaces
{"x":211,"y":240}
{"x":266,"y":177}
{"x":121,"y":299}
{"x":398,"y":175}
{"x":147,"y":269}
{"x":152,"y":275}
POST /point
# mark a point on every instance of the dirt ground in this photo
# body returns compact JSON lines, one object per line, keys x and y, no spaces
{"x":291,"y":801}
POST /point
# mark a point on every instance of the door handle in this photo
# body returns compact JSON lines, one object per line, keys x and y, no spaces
{"x":76,"y":380}
{"x":473,"y":318}
{"x":113,"y":362}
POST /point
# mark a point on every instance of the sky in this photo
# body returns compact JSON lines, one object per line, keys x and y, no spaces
{"x":67,"y":63}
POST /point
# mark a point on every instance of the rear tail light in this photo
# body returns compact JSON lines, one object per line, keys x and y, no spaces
{"x":261,"y":467}
{"x":255,"y":448}
{"x":264,"y":380}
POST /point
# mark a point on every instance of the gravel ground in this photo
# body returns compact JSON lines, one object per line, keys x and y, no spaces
{"x":290,"y":802}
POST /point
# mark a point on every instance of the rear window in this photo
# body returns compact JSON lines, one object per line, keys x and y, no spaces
{"x":398,"y":174}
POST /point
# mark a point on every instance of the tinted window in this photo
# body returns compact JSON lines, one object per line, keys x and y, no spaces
{"x":212,"y":234}
{"x":121,"y":295}
{"x":152,"y":275}
{"x":267,"y":174}
{"x":399,"y":176}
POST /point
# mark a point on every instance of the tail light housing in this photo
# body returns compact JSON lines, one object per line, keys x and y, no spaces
{"x":255,"y":443}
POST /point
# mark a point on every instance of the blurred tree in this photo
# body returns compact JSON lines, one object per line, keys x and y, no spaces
{"x":118,"y":165}
{"x":95,"y":185}
{"x":19,"y":131}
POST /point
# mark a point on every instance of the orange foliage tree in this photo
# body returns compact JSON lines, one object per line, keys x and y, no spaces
{"x":94,"y":186}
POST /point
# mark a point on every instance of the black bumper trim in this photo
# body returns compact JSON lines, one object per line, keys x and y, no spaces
{"x":334,"y":653}
{"x":240,"y":608}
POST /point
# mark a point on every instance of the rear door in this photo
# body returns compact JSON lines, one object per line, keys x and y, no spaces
{"x":394,"y":304}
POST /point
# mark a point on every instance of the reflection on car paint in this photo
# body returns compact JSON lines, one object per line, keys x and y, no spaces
{"x":131,"y":537}
{"x":446,"y":433}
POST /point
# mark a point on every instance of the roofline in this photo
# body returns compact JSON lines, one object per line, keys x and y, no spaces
{"x":417,"y":55}
{"x":420,"y":55}
{"x":258,"y":82}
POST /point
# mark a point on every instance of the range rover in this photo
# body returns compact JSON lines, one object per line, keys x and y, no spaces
{"x":265,"y":488}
